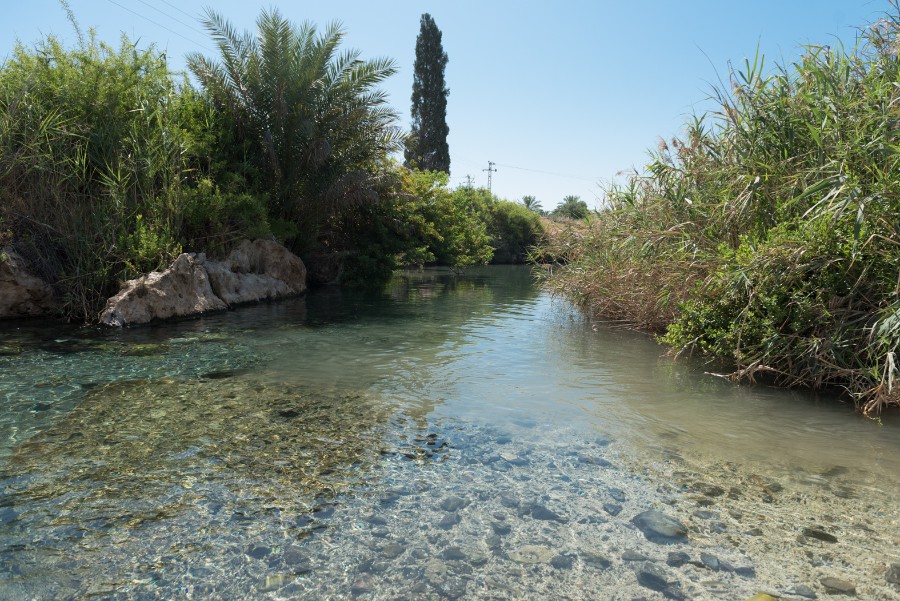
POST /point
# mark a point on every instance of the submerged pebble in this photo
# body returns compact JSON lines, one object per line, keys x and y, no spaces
{"x":539,"y":512}
{"x":454,"y":553}
{"x":659,"y":527}
{"x":501,"y":528}
{"x":562,"y":562}
{"x":531,"y":554}
{"x":819,"y":535}
{"x":612,"y":509}
{"x":617,"y":494}
{"x":801,"y":590}
{"x":710,"y":561}
{"x":453,"y":503}
{"x":654,"y":577}
{"x":837,"y":585}
{"x":448,"y":521}
{"x":392,"y":550}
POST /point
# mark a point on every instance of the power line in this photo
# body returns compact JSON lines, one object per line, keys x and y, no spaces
{"x":553,"y":173}
{"x":160,"y":25}
{"x":592,"y":179}
{"x":178,"y":9}
{"x":165,"y":14}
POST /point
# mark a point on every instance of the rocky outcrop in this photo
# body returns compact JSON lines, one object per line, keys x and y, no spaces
{"x":238,"y":288}
{"x":193,"y":285}
{"x":182,"y":289}
{"x":267,"y":257}
{"x":22,"y":294}
{"x":255,"y":271}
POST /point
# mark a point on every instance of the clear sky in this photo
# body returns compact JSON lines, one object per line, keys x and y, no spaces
{"x":561,"y":95}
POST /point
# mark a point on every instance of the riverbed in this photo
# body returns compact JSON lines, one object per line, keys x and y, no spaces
{"x":447,"y":437}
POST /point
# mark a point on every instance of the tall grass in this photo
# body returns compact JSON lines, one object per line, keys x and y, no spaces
{"x":92,"y":153}
{"x":110,"y":165}
{"x":769,"y":235}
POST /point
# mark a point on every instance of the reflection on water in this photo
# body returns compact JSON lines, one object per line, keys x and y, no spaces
{"x":447,"y":437}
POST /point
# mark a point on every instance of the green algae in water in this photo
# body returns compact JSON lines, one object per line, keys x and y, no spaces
{"x":138,"y":438}
{"x":11,"y":349}
{"x":179,"y":465}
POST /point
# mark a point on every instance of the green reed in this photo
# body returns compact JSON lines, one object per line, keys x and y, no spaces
{"x":768,"y":236}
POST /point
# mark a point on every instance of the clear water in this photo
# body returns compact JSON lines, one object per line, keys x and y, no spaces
{"x":448,"y":437}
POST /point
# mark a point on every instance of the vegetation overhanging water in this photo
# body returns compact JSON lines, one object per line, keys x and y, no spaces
{"x":451,"y":436}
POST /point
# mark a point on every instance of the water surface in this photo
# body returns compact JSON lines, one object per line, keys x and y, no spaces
{"x":447,"y":437}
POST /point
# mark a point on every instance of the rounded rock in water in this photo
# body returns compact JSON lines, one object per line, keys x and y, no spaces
{"x":659,"y":527}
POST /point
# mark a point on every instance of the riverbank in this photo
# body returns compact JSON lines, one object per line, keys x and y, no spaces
{"x":766,"y":238}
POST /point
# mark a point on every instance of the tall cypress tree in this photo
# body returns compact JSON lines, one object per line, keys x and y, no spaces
{"x":426,"y":147}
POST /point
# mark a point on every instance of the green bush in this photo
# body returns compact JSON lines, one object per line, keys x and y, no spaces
{"x":514,"y":231}
{"x":461,"y":218}
{"x":213,"y":221}
{"x":416,"y":221}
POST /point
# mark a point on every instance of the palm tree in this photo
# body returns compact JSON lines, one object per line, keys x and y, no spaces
{"x":572,"y":207}
{"x":316,"y":123}
{"x":532,"y":204}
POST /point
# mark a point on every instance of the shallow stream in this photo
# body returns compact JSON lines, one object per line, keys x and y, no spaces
{"x":451,"y":437}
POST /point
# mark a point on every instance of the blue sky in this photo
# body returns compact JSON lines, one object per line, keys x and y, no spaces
{"x":561,"y":95}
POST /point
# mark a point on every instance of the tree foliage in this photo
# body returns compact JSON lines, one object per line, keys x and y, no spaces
{"x":532,"y":204}
{"x":426,"y":145}
{"x":419,"y":220}
{"x":571,"y":207}
{"x":314,"y":120}
{"x":514,"y":230}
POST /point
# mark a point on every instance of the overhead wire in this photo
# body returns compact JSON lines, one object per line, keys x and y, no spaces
{"x":470,"y":160}
{"x":178,"y":9}
{"x":149,"y":20}
{"x":165,"y":14}
{"x":582,"y":177}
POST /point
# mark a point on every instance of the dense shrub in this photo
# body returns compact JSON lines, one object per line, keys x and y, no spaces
{"x":514,"y":231}
{"x":417,"y":220}
{"x":213,"y":221}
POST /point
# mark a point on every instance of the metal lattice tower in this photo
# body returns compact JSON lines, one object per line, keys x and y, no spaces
{"x":490,"y":170}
